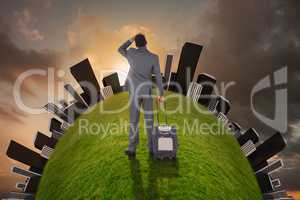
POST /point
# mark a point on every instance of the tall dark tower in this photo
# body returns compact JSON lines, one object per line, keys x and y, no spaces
{"x":172,"y":83}
{"x":113,"y":81}
{"x":84,"y":75}
{"x":188,"y":61}
{"x":208,"y":82}
{"x":168,"y":67}
{"x":26,"y":156}
{"x":266,"y":150}
{"x":218,"y":104}
{"x":42,"y":140}
{"x":250,"y":134}
{"x":235,"y":128}
{"x":73,"y":92}
{"x":264,"y":182}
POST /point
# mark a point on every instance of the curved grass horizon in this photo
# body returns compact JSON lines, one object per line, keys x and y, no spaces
{"x":91,"y":166}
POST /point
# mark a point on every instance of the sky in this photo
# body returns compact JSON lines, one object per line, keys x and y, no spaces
{"x":243,"y":42}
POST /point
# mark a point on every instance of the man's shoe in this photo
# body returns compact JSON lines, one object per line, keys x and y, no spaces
{"x":129,"y":153}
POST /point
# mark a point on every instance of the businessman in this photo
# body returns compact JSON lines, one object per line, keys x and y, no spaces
{"x":143,"y":64}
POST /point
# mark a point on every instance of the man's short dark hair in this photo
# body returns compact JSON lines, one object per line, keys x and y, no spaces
{"x":140,"y":40}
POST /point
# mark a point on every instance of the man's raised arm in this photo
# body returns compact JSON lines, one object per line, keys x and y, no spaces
{"x":123,"y":48}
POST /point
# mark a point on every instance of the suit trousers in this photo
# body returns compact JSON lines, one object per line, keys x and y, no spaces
{"x":146,"y":102}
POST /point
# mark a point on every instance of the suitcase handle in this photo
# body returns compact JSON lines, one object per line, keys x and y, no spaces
{"x":157,"y":114}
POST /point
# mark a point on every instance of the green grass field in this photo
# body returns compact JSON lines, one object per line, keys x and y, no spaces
{"x":93,"y":166}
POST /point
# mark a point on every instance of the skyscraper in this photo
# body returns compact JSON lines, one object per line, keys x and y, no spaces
{"x":188,"y":61}
{"x":42,"y":140}
{"x":172,"y":85}
{"x":250,"y":134}
{"x":56,"y":128}
{"x":74,"y":110}
{"x":75,"y":95}
{"x":107,"y":92}
{"x":168,"y":66}
{"x":264,"y":182}
{"x":113,"y":81}
{"x":194,"y":91}
{"x":223,"y":105}
{"x":208,"y":82}
{"x":87,"y":80}
{"x":218,"y":104}
{"x":25,"y":155}
{"x":235,"y":128}
{"x":266,"y":150}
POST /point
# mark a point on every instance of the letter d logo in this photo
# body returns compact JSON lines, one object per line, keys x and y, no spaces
{"x":279,"y":122}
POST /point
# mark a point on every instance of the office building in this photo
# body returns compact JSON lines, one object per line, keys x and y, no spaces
{"x":52,"y":108}
{"x":223,"y":118}
{"x":74,"y":94}
{"x":266,"y":150}
{"x":188,"y":61}
{"x":84,"y":75}
{"x":194,"y":91}
{"x":26,"y":156}
{"x":218,"y":104}
{"x":248,"y":148}
{"x":74,"y":110}
{"x":272,"y":167}
{"x":173,"y":85}
{"x":208,"y":83}
{"x":107,"y":92}
{"x":23,"y":172}
{"x":235,"y":128}
{"x":168,"y":67}
{"x":47,"y":152}
{"x":113,"y":81}
{"x":41,"y":140}
{"x":264,"y":182}
{"x":56,"y":128}
{"x":250,"y":134}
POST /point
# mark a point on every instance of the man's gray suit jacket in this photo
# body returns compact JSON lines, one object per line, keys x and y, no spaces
{"x":143,"y":64}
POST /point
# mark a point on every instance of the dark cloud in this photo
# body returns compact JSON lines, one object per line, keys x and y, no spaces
{"x":246,"y":41}
{"x":289,"y":176}
{"x":15,"y":60}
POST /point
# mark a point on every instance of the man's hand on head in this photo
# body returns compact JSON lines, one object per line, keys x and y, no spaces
{"x":160,"y":99}
{"x":132,"y":38}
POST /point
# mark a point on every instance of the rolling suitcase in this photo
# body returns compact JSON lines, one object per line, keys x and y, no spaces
{"x":164,"y":140}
